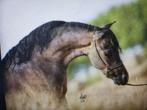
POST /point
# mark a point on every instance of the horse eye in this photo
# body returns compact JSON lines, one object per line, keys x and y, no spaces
{"x":108,"y":52}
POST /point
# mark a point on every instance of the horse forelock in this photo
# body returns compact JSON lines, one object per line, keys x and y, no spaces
{"x":114,"y":39}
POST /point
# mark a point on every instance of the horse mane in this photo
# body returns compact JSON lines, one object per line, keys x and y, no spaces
{"x":23,"y":50}
{"x":40,"y":37}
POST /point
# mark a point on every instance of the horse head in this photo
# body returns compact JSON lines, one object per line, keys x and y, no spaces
{"x":104,"y":55}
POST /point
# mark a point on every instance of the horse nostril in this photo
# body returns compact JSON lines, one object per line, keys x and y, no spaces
{"x":124,"y":79}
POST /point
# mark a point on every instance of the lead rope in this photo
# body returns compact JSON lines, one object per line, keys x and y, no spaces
{"x":129,"y":84}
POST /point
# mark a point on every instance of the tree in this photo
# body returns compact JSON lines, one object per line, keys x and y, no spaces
{"x":131,"y":26}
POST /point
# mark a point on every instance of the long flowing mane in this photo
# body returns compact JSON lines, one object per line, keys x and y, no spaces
{"x":41,"y":37}
{"x":23,"y":50}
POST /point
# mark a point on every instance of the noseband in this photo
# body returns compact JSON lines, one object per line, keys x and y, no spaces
{"x":109,"y":68}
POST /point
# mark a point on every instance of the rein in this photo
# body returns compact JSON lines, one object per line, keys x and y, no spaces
{"x":129,"y":84}
{"x":115,"y":67}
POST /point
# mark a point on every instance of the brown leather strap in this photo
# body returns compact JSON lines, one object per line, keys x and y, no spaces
{"x":109,"y":68}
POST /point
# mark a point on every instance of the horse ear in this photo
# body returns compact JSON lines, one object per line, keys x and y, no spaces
{"x":107,"y":26}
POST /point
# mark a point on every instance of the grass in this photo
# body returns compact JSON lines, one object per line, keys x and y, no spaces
{"x":104,"y":95}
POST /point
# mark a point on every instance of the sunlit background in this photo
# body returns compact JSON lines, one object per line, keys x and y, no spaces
{"x":20,"y":17}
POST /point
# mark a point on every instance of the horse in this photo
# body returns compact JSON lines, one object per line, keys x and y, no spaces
{"x":34,"y":71}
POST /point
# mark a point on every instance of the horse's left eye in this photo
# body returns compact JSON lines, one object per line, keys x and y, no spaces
{"x":108,"y":52}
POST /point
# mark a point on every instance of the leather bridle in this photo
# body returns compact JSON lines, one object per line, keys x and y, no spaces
{"x":109,"y":68}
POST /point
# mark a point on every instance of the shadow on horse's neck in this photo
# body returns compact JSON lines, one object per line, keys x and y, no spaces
{"x":68,"y":46}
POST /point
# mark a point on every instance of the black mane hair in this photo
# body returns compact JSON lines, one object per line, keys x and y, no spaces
{"x":23,"y":50}
{"x":41,"y":37}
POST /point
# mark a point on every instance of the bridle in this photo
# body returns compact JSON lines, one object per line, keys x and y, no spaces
{"x":111,"y":68}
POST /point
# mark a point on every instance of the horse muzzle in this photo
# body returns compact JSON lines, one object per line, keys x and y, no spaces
{"x":119,"y":76}
{"x":120,"y":79}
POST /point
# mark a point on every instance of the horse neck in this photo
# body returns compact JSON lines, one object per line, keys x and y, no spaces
{"x":69,"y":45}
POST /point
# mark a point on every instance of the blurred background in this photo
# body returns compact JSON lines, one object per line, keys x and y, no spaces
{"x":19,"y":17}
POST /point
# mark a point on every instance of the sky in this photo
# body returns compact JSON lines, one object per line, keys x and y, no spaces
{"x":20,"y":17}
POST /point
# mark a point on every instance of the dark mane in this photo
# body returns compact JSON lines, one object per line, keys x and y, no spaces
{"x":23,"y":50}
{"x":41,"y":37}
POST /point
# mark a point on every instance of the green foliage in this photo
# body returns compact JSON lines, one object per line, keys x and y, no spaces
{"x":76,"y":64}
{"x":93,"y":79}
{"x":131,"y":26}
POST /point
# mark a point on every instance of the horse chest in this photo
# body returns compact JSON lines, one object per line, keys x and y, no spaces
{"x":34,"y":89}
